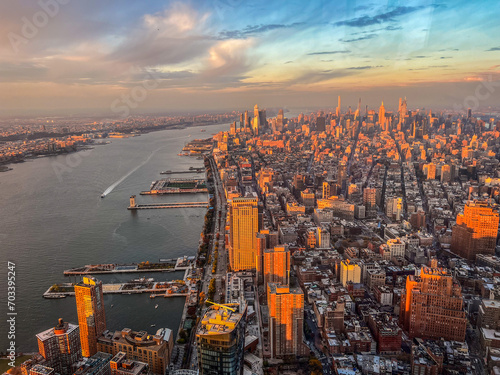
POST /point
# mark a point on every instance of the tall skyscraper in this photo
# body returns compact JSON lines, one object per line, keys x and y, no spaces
{"x":91,"y":316}
{"x":432,"y":306}
{"x":244,"y":224}
{"x":256,"y":120}
{"x":286,"y":316}
{"x":60,"y":346}
{"x":247,"y":121}
{"x":337,"y":111}
{"x":381,"y":116}
{"x":476,"y":230}
{"x":277,"y":265}
{"x":279,"y":120}
{"x":220,"y":339}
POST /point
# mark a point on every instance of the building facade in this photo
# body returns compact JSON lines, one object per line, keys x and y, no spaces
{"x":220,"y":341}
{"x":476,"y":230}
{"x":60,"y":346}
{"x":244,"y":224}
{"x":91,"y":315}
{"x":432,"y":306}
{"x":286,"y":316}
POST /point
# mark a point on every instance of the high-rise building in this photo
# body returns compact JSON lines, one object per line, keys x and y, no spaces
{"x":277,"y":265}
{"x":91,"y":316}
{"x":431,"y":171}
{"x":220,"y":339}
{"x":256,"y":120}
{"x":280,"y":121}
{"x":286,"y":316}
{"x":337,"y":111}
{"x":432,"y":306}
{"x":60,"y":346}
{"x":381,"y":116}
{"x":446,"y":173}
{"x":244,"y":224}
{"x":369,"y":198}
{"x":327,"y":189}
{"x":320,"y":124}
{"x":247,"y":121}
{"x":476,"y":230}
{"x":349,"y":272}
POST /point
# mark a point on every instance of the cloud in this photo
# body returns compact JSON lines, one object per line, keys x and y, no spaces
{"x":364,"y":67}
{"x":311,"y":77}
{"x":255,"y":29}
{"x":379,"y":18}
{"x":327,"y":53}
{"x":369,"y":36}
{"x":493,"y":49}
{"x":22,"y":72}
{"x":172,"y":36}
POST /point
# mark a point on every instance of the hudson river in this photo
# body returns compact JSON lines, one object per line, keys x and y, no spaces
{"x":52,"y":218}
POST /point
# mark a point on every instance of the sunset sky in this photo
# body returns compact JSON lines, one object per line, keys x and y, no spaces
{"x":225,"y":54}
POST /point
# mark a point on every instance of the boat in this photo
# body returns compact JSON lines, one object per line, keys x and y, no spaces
{"x":103,"y":195}
{"x":156,"y":306}
{"x":153,"y":325}
{"x":202,"y":130}
{"x":112,"y":306}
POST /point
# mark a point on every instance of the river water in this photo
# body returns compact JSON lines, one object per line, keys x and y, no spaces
{"x":52,"y":218}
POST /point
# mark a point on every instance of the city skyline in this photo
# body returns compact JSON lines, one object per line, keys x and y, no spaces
{"x":223,"y":54}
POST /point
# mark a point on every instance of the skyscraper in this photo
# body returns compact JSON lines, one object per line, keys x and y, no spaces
{"x":279,"y":120}
{"x":60,"y":346}
{"x":337,"y":111}
{"x":381,"y":116}
{"x":247,"y":121}
{"x":244,"y":224}
{"x":256,"y":120}
{"x":220,"y":339}
{"x":91,"y":316}
{"x":286,"y":316}
{"x":432,"y":306}
{"x":277,"y":265}
{"x":476,"y":230}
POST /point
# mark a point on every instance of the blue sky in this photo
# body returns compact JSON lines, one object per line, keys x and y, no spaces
{"x":224,"y":54}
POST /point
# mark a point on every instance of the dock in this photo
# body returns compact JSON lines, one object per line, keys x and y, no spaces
{"x":194,"y":170}
{"x":161,"y":288}
{"x":151,"y":206}
{"x":164,"y":265}
{"x":176,"y":186}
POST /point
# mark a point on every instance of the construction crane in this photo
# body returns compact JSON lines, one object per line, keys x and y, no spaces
{"x":226,"y":306}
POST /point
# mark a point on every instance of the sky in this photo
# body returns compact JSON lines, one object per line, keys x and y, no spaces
{"x":94,"y":55}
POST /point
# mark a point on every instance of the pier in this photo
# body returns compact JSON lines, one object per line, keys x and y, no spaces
{"x":195,"y":170}
{"x":164,"y":265}
{"x":176,"y":186}
{"x":151,"y":206}
{"x":165,"y":289}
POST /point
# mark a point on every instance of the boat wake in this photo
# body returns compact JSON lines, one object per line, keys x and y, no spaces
{"x":114,"y":185}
